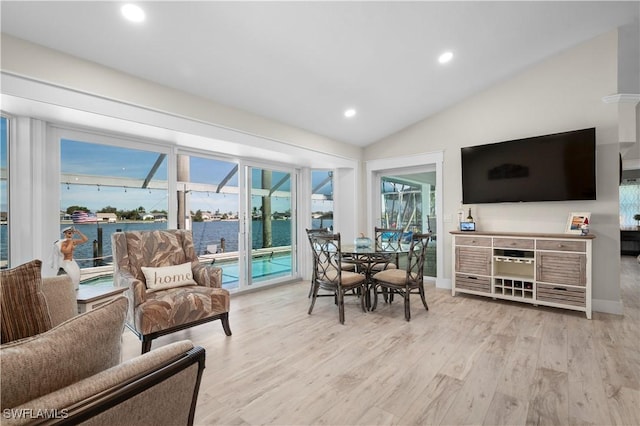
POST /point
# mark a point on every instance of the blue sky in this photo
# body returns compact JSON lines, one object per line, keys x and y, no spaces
{"x":109,"y":161}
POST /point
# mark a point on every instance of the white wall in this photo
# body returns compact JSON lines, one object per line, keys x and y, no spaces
{"x":42,"y":86}
{"x":562,"y":93}
{"x":23,"y":58}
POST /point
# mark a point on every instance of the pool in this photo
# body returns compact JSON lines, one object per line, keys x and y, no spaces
{"x":102,"y":281}
{"x":263,"y":268}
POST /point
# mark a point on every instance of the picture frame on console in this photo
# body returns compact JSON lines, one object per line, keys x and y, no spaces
{"x":577,"y":221}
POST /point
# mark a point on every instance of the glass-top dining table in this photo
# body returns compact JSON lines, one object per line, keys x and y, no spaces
{"x":368,"y":261}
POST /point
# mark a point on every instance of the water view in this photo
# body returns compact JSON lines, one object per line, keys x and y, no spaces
{"x":204,"y":234}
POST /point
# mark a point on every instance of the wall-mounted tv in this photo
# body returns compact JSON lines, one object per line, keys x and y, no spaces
{"x":556,"y":167}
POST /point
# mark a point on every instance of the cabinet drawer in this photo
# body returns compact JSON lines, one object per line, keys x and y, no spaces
{"x":470,"y":282}
{"x":472,"y":260}
{"x":561,"y":245}
{"x":473,"y":241}
{"x":574,"y":296}
{"x":517,"y":243}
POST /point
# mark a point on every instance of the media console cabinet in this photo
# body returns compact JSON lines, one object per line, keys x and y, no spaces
{"x":540,"y":269}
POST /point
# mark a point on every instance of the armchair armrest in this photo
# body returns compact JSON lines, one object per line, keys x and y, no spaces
{"x":137,"y":292}
{"x":207,"y":275}
{"x":61,"y":298}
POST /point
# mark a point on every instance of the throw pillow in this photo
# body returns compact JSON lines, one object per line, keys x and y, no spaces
{"x":23,"y":305}
{"x":168,"y":276}
{"x":74,"y":350}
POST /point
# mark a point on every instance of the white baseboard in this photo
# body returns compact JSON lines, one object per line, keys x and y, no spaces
{"x":443,"y":283}
{"x":607,"y":306}
{"x":597,"y":305}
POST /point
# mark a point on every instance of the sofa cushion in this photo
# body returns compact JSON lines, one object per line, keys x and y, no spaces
{"x":23,"y":304}
{"x":74,"y":350}
{"x":166,"y":277}
{"x":61,"y":298}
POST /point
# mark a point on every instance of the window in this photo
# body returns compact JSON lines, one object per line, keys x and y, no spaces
{"x":105,"y":188}
{"x":629,"y":203}
{"x":322,"y":199}
{"x":4,"y":193}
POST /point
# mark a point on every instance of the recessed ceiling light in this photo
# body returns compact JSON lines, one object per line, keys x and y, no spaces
{"x":445,"y":57}
{"x":132,"y":12}
{"x":350,"y":113}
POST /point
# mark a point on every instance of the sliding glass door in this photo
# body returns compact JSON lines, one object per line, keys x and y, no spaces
{"x":271,"y":225}
{"x":408,"y":202}
{"x":210,"y":189}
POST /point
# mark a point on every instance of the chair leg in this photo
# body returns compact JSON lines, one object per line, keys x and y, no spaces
{"x":313,"y":297}
{"x":374,"y":305}
{"x":340,"y":297}
{"x":225,"y":324}
{"x":407,"y":305}
{"x":146,"y":344}
{"x":422,"y":296}
{"x":362,"y":299}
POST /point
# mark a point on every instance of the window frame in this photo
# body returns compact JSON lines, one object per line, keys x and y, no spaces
{"x":56,"y":133}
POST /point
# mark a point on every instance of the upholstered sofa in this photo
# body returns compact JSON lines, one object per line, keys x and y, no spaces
{"x":72,"y":372}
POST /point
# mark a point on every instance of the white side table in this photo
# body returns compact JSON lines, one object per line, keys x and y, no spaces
{"x":91,"y":297}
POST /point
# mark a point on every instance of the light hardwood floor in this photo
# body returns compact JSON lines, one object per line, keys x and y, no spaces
{"x":469,"y":360}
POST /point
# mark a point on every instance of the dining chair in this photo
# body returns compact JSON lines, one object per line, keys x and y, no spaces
{"x":310,"y":232}
{"x":387,"y":240}
{"x":405,"y":282}
{"x":329,"y":275}
{"x":347,"y":264}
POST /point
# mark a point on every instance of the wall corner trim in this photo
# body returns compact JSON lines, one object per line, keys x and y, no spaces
{"x":620,"y":98}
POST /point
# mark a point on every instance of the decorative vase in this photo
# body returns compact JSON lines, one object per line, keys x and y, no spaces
{"x":363,"y":242}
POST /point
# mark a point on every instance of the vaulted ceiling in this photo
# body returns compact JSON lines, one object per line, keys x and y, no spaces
{"x":305,"y":63}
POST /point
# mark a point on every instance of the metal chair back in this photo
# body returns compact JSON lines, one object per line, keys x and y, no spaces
{"x":415,"y":257}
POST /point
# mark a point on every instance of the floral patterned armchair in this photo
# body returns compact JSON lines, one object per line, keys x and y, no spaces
{"x":158,"y":310}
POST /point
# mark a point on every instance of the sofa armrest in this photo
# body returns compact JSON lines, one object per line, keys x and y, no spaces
{"x":74,"y":350}
{"x":159,"y":387}
{"x":207,"y":275}
{"x":61,"y":298}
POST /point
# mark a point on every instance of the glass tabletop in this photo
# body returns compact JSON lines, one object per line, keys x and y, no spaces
{"x":353,"y":249}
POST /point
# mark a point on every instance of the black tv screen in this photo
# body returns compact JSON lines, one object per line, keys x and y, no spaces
{"x":557,"y":167}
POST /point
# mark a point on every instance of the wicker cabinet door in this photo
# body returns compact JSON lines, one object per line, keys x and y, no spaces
{"x":561,"y":268}
{"x":473,"y":260}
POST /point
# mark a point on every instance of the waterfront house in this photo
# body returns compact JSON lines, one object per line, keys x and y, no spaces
{"x":107,"y":217}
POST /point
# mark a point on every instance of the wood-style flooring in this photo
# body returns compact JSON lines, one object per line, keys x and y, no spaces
{"x":467,"y":361}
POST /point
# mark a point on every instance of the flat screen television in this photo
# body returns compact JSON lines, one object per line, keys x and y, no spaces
{"x":556,"y":167}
